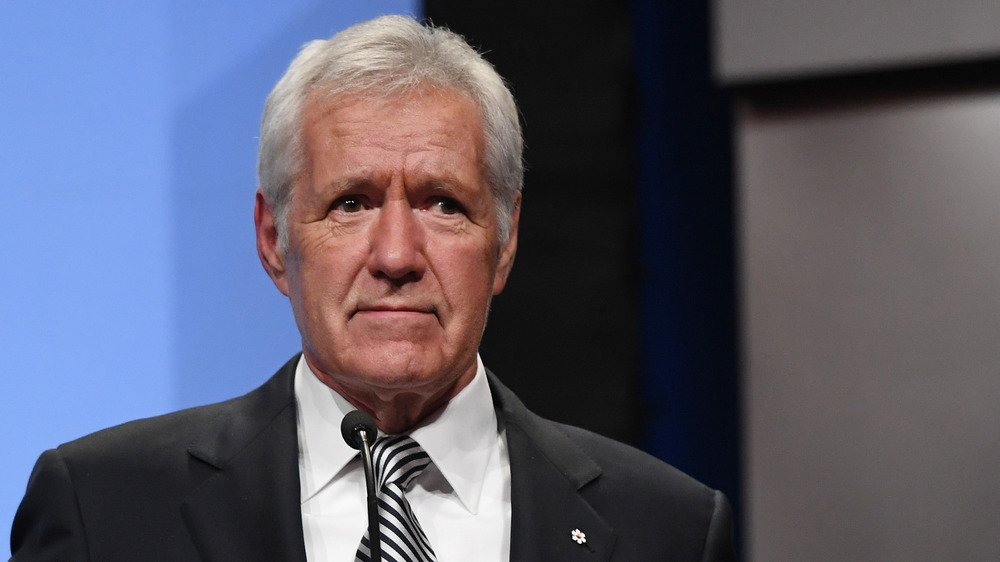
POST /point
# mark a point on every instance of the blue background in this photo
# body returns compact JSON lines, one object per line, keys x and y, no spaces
{"x":130,"y":282}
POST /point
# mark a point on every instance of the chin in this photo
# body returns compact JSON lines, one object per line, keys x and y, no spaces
{"x":401,"y":370}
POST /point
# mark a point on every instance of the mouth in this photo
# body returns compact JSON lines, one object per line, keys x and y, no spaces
{"x":391,"y":310}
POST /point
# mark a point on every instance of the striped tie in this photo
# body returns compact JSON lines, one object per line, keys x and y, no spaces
{"x":398,"y":461}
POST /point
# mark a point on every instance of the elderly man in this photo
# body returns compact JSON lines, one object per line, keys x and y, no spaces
{"x":390,"y":171}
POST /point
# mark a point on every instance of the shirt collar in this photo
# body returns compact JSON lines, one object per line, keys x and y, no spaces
{"x":460,"y":439}
{"x":322,"y":450}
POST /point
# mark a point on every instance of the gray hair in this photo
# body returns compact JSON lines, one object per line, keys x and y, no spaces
{"x":389,"y":56}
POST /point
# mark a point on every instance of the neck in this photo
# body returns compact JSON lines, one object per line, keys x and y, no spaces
{"x":397,"y":411}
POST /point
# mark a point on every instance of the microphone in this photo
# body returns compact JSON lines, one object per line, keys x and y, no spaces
{"x":359,"y":431}
{"x":357,"y":428}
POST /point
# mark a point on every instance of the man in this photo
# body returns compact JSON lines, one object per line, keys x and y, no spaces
{"x":390,"y":170}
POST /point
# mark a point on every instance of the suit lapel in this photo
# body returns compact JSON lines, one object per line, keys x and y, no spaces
{"x":247,"y":507}
{"x":548,"y":474}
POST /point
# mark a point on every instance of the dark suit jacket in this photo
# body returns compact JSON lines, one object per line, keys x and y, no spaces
{"x":221,"y":483}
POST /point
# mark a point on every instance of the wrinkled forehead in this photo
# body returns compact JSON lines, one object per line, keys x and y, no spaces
{"x":392,"y":106}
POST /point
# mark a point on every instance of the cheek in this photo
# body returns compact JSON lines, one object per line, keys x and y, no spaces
{"x":324,"y":276}
{"x":328,"y":279}
{"x":469,"y":273}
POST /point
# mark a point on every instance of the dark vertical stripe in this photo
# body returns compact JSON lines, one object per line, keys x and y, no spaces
{"x":689,"y":322}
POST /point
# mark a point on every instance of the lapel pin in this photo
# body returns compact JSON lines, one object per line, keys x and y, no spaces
{"x":579,"y":536}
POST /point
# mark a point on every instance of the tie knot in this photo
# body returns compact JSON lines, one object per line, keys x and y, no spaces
{"x":398,"y":459}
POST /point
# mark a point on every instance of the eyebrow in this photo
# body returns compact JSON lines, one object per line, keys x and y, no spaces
{"x":352,"y":182}
{"x":447,"y":182}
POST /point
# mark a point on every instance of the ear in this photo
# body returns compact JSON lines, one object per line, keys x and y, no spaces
{"x":507,"y":250}
{"x":271,"y":255}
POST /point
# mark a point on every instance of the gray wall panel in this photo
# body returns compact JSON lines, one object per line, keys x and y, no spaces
{"x":871,"y":288}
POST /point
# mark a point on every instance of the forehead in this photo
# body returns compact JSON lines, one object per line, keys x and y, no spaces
{"x":420,"y":119}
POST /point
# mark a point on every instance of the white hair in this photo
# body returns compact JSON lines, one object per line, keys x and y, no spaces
{"x":389,"y":56}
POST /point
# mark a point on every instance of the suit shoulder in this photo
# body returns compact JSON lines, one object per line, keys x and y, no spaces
{"x":178,"y":430}
{"x":603,"y":465}
{"x":619,"y":461}
{"x":153,"y":432}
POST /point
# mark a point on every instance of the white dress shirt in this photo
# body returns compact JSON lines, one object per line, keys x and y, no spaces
{"x":462,"y":499}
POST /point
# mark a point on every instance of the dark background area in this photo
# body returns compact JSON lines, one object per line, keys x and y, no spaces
{"x":620,"y":313}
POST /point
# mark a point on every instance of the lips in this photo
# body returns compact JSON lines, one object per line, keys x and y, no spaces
{"x":389,"y":310}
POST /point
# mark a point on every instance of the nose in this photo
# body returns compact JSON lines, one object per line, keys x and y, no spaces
{"x":397,"y":243}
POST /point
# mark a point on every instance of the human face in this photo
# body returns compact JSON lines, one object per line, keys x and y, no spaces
{"x":393,"y":254}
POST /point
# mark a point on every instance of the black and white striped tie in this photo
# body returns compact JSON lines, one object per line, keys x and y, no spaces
{"x":398,"y":461}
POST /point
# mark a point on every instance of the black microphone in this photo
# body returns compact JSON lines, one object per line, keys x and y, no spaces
{"x":359,"y":430}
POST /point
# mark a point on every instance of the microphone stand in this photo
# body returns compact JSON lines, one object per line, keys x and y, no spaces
{"x":357,"y":428}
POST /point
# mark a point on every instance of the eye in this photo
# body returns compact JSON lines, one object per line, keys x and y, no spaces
{"x":348,"y":204}
{"x":447,"y":206}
